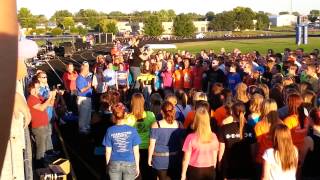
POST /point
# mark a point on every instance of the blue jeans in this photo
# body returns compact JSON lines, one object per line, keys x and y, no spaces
{"x":121,"y":170}
{"x":135,"y":72}
{"x":84,"y":108}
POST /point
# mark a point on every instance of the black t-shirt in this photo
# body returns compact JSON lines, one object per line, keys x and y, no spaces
{"x":237,"y":160}
{"x":310,"y":166}
{"x":136,"y":60}
{"x":216,"y":76}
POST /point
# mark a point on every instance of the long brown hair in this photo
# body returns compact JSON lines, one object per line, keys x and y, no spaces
{"x":238,"y":111}
{"x":169,"y":111}
{"x":137,"y":105}
{"x":202,"y":125}
{"x":294,"y":102}
{"x":284,"y":150}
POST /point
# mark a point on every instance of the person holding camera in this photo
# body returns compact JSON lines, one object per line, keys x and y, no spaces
{"x":84,"y":94}
{"x":40,"y":119}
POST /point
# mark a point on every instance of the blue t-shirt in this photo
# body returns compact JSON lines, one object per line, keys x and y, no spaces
{"x":110,"y":77}
{"x":44,"y":92}
{"x":82,"y":82}
{"x":122,"y":139}
{"x":233,"y":80}
{"x":168,"y":140}
{"x":253,"y":121}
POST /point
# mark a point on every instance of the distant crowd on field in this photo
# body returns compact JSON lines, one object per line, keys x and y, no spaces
{"x":177,"y":115}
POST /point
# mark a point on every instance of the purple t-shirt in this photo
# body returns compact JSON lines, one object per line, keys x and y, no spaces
{"x":167,"y":78}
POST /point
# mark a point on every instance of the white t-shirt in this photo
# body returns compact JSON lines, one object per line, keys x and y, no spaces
{"x":276,"y":172}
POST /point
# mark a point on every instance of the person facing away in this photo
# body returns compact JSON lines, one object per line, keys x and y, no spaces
{"x":280,"y":161}
{"x":165,"y":144}
{"x":122,"y":147}
{"x":200,"y":149}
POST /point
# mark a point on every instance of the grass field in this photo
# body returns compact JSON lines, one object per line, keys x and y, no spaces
{"x":261,"y":45}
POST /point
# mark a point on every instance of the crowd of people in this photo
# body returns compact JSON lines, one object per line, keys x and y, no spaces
{"x":212,"y":115}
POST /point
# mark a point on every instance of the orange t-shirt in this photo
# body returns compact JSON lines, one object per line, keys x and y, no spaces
{"x":190,"y":117}
{"x":297,"y":133}
{"x":263,"y":137}
{"x":178,"y":79}
{"x":220,"y":114}
{"x":187,"y":78}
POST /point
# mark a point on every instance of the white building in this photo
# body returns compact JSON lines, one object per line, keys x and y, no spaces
{"x":283,"y":20}
{"x":201,"y":26}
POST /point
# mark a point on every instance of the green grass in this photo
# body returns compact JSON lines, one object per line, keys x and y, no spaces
{"x":261,"y":45}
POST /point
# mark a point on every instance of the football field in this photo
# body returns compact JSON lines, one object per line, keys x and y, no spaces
{"x":261,"y":45}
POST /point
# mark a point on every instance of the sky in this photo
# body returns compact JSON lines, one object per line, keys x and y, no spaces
{"x":48,"y":7}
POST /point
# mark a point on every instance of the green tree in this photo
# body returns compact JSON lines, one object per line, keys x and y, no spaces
{"x":183,"y":26}
{"x":88,"y":17}
{"x":283,"y":12}
{"x":68,"y":22}
{"x":108,"y":26}
{"x":56,"y":31}
{"x":262,"y":21}
{"x":59,"y":16}
{"x":74,"y":30}
{"x":82,"y":31}
{"x":313,"y":15}
{"x":26,"y":19}
{"x":153,"y":26}
{"x":210,"y":15}
{"x":244,"y":17}
{"x":223,"y":21}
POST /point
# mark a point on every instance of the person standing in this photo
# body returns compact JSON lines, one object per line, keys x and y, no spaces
{"x":110,"y":77}
{"x":280,"y":161}
{"x":237,"y":143}
{"x":122,"y":147}
{"x":40,"y":120}
{"x":200,"y":149}
{"x":69,"y":81}
{"x":165,"y":144}
{"x":142,"y":120}
{"x":84,"y":93}
{"x":135,"y":62}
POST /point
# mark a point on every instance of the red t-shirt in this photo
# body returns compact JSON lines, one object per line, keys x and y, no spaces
{"x":38,"y":118}
{"x":178,"y":79}
{"x":69,"y":80}
{"x":197,"y":73}
{"x":187,"y":78}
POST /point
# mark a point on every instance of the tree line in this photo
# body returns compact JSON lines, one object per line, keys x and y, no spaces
{"x":237,"y":18}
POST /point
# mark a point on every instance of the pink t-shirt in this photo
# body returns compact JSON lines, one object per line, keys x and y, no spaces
{"x":202,"y":155}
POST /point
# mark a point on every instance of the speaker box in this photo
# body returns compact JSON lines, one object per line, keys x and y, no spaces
{"x":103,"y":38}
{"x":109,"y":38}
{"x":68,"y":49}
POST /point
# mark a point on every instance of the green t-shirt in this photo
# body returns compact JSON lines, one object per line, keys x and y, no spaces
{"x":143,"y":126}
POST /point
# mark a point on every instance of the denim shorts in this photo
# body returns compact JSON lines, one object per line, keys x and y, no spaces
{"x":119,"y":170}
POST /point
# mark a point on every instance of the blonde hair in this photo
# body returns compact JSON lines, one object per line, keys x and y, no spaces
{"x":268,"y":106}
{"x":256,"y":103}
{"x":284,"y":149}
{"x":241,"y":92}
{"x":197,"y":96}
{"x":201,"y":125}
{"x":137,"y":105}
